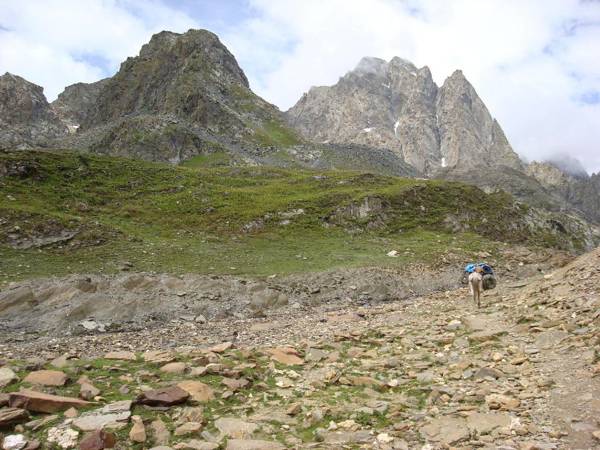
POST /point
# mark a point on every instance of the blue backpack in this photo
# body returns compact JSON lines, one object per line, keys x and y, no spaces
{"x":487,"y":269}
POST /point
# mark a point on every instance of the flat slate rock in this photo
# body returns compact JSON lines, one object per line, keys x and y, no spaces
{"x":169,"y":396}
{"x":235,"y":428}
{"x":97,"y":420}
{"x":486,"y":423}
{"x":47,"y":378}
{"x":11,"y":416}
{"x":285,"y":355}
{"x":41,"y":402}
{"x":447,"y":430}
{"x":198,"y":391}
{"x":121,"y":356}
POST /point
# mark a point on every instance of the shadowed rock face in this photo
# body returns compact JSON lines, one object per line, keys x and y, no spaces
{"x":26,"y":118}
{"x":397,"y":106}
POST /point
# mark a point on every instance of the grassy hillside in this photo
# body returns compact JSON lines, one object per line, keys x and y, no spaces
{"x":249,"y":220}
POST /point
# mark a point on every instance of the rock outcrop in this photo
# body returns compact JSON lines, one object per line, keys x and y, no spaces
{"x":74,"y":103}
{"x":397,"y":106}
{"x":26,"y":118}
{"x":575,"y":190}
{"x":183,"y":95}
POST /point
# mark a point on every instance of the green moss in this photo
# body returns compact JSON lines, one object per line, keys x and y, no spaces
{"x":214,"y":159}
{"x":275,"y":133}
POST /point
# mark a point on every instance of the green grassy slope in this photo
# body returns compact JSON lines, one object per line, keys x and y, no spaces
{"x":234,"y":220}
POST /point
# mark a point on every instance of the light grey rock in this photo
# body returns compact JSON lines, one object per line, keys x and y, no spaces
{"x":14,"y":442}
{"x":397,"y":106}
{"x":447,"y":430}
{"x":486,"y":423}
{"x":7,"y":376}
{"x":235,"y":428}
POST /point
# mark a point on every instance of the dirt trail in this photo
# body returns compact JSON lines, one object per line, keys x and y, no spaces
{"x":432,"y":372}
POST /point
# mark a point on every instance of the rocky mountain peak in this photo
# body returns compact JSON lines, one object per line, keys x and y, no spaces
{"x":26,"y":118}
{"x":173,"y":74}
{"x":397,"y":106}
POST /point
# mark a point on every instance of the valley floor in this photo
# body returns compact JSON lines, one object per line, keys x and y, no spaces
{"x":523,"y":372}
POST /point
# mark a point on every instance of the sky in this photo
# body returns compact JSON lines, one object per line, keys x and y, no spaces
{"x":534,"y":63}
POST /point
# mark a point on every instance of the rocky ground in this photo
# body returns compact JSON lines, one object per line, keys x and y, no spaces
{"x":430,"y":372}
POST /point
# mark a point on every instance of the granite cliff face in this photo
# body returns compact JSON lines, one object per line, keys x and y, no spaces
{"x":26,"y":118}
{"x":397,"y":106}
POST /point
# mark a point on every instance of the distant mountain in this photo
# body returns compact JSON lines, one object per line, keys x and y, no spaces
{"x":26,"y":118}
{"x":184,"y":96}
{"x":397,"y":106}
{"x":574,"y":188}
{"x":442,"y":132}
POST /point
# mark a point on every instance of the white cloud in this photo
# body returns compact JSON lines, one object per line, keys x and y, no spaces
{"x":55,"y":43}
{"x":530,"y":61}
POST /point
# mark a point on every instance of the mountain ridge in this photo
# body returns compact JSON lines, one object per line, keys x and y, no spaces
{"x":184,"y":95}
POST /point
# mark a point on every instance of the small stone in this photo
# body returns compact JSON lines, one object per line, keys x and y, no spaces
{"x":220,"y":348}
{"x":7,"y":376}
{"x":163,"y":397}
{"x":194,"y":444}
{"x":447,"y":430}
{"x":138,"y":431}
{"x":235,"y":428}
{"x":98,"y":440}
{"x":384,"y":438}
{"x":33,"y":445}
{"x":88,"y":391}
{"x":294,"y":409}
{"x":63,"y":437}
{"x":11,"y":416}
{"x":315,"y":355}
{"x":158,"y":357}
{"x":234,"y":384}
{"x":497,"y":356}
{"x":160,"y":432}
{"x":121,"y":356}
{"x":198,"y":391}
{"x":174,"y":367}
{"x":71,"y":413}
{"x":253,"y":444}
{"x":14,"y":442}
{"x":285,"y":355}
{"x":504,"y":402}
{"x":188,"y":428}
